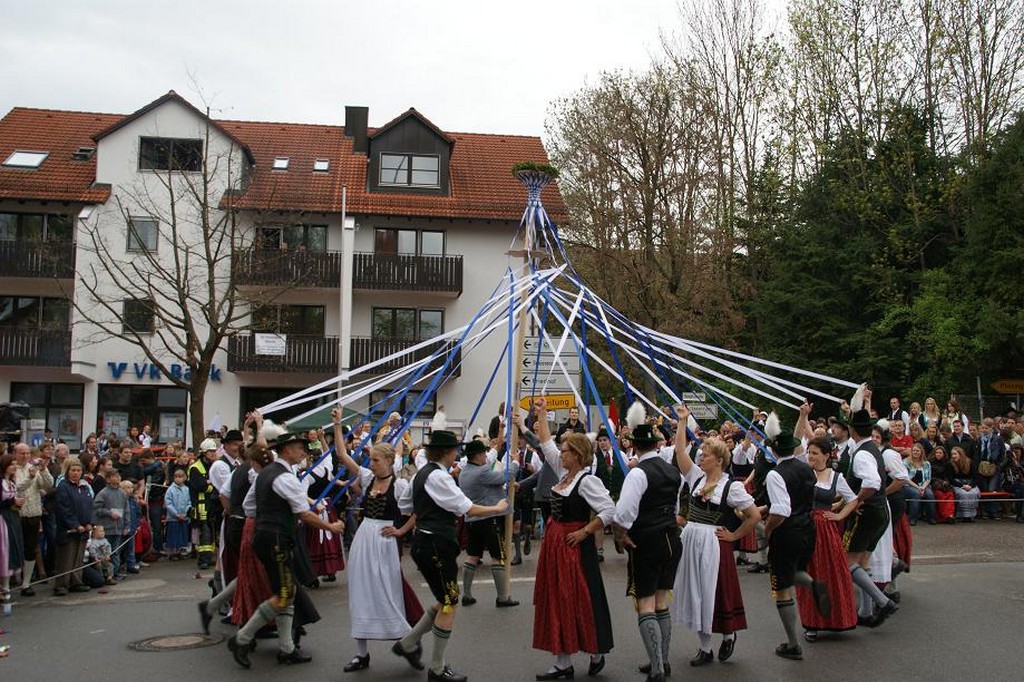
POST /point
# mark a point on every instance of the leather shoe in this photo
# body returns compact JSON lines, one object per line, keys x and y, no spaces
{"x":468,"y":601}
{"x":293,"y":656}
{"x":28,"y":592}
{"x":412,"y":656}
{"x":446,"y":675}
{"x":516,"y":560}
{"x":793,"y":653}
{"x":204,"y":617}
{"x":358,"y":663}
{"x":505,"y":603}
{"x":557,"y":674}
{"x":702,"y":658}
{"x":527,"y":546}
{"x":59,"y":592}
{"x":645,"y":668}
{"x":725,"y":651}
{"x":79,"y":588}
{"x":240,"y":652}
{"x":758,"y":567}
{"x":595,"y":667}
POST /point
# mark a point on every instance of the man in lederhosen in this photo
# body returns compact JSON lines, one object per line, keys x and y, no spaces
{"x":280,"y":498}
{"x":791,"y":536}
{"x":436,"y":500}
{"x":645,"y":524}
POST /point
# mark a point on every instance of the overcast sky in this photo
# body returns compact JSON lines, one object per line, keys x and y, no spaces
{"x":470,"y":66}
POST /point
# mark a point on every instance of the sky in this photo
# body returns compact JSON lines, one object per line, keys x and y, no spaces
{"x":469,"y":66}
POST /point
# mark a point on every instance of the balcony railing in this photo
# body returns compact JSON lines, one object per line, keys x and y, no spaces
{"x":309,"y":354}
{"x":35,"y":348}
{"x":367,"y":350}
{"x":259,"y":267}
{"x":407,"y":273}
{"x":37,"y":259}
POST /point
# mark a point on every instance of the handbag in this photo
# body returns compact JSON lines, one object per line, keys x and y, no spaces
{"x":987,"y":468}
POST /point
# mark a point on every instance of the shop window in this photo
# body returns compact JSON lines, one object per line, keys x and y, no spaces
{"x":58,"y":406}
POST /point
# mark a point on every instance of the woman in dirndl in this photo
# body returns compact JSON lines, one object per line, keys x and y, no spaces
{"x":253,"y":587}
{"x":707,"y":588}
{"x":325,"y":551}
{"x":570,"y":605}
{"x":828,"y":563}
{"x":381,"y":603}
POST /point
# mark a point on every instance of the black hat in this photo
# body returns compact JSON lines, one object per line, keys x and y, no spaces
{"x":602,"y":433}
{"x":290,"y":437}
{"x":862,"y":421}
{"x":473,"y":447}
{"x":842,"y":420}
{"x":442,"y":440}
{"x":785,"y":443}
{"x":645,"y":434}
{"x":232,"y":435}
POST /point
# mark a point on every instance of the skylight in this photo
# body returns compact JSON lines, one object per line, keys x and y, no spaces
{"x":281,"y":163}
{"x":321,"y":165}
{"x":24,"y":159}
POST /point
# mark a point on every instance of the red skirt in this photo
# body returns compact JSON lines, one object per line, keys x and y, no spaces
{"x":747,"y":543}
{"x":730,"y":615}
{"x":253,"y":588}
{"x":563,"y":617}
{"x":325,"y":552}
{"x":828,"y":564}
{"x":903,"y":540}
{"x":413,"y":608}
{"x":945,"y":505}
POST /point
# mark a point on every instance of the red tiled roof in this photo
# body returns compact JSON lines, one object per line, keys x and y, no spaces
{"x":482,"y":185}
{"x":59,"y":178}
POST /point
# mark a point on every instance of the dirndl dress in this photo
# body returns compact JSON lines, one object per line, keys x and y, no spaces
{"x":325,"y":553}
{"x":253,"y":588}
{"x":12,"y":545}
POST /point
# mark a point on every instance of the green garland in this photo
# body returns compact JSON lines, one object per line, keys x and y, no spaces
{"x":550,"y":170}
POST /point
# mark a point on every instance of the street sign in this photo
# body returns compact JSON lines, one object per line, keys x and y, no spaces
{"x":1009,"y":385}
{"x":558,"y":401}
{"x":704,"y":410}
{"x":690,"y":397}
{"x":545,"y":363}
{"x":542,"y":381}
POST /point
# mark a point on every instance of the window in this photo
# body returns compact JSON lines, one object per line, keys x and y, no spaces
{"x":58,"y":405}
{"x":167,"y":153}
{"x":34,"y":313}
{"x":408,"y":242}
{"x":410,"y":170}
{"x":281,"y":163}
{"x":322,"y":165}
{"x":23,"y":159}
{"x":294,"y":237}
{"x":35,"y":227}
{"x":138,"y":316}
{"x":142,"y":234}
{"x":407,"y":324}
{"x":300,"y":320}
{"x":122,"y":406}
{"x":381,"y":400}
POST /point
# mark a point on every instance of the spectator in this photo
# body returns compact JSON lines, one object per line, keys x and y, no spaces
{"x":897,"y":413}
{"x":942,"y":486}
{"x":916,"y":417}
{"x":916,"y":432}
{"x":919,"y":486}
{"x":132,"y":522}
{"x":953,"y":415}
{"x":108,"y":509}
{"x":964,"y":485}
{"x":899,"y":441}
{"x":1013,"y":478}
{"x":12,"y":547}
{"x":178,"y":504}
{"x":959,"y":438}
{"x":98,"y":549}
{"x":33,"y":480}
{"x":146,"y":437}
{"x":127,"y":466}
{"x":989,"y":455}
{"x":931,"y":413}
{"x":572,"y":424}
{"x":74,"y":522}
{"x":99,"y":479}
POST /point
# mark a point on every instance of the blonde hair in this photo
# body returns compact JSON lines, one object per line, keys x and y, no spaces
{"x":580,"y":445}
{"x":962,"y":465}
{"x":717,"y":448}
{"x":72,"y":462}
{"x":385,"y":450}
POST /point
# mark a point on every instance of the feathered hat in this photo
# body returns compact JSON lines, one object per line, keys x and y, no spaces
{"x":271,"y":431}
{"x":781,"y":439}
{"x":860,"y":418}
{"x":641,"y":433}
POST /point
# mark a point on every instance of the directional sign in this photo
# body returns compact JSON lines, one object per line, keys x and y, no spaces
{"x":1009,"y":385}
{"x":545,"y":363}
{"x":704,"y":410}
{"x":553,"y":383}
{"x":559,"y":401}
{"x":689,"y":397}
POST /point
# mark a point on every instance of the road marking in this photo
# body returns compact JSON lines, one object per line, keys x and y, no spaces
{"x":952,"y":556}
{"x":511,"y":580}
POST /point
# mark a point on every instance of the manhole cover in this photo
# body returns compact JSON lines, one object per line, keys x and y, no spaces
{"x":176,"y":642}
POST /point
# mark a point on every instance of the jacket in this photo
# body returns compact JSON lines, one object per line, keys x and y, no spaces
{"x":32,"y":488}
{"x":74,"y":509}
{"x":107,"y":502}
{"x":177,"y":501}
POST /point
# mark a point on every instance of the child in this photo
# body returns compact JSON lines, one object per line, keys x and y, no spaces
{"x":178,"y":504}
{"x":109,"y":509}
{"x":132,"y":521}
{"x":98,"y":549}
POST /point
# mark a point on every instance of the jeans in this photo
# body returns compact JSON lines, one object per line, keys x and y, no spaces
{"x":990,"y":485}
{"x":129,"y":550}
{"x":156,"y":511}
{"x":116,"y":562}
{"x":914,"y":497}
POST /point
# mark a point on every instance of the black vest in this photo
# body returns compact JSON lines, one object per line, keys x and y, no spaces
{"x":824,"y":497}
{"x":382,"y":507}
{"x":846,"y":468}
{"x":800,"y":484}
{"x":571,"y":508}
{"x":658,"y":503}
{"x":430,"y":517}
{"x":239,"y":488}
{"x":273,"y":513}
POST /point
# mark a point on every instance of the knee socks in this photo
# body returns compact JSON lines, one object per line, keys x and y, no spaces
{"x":285,"y":640}
{"x":26,"y":577}
{"x":468,"y":573}
{"x":650,"y":634}
{"x":223,"y":597}
{"x":787,"y":613}
{"x":260,"y":617}
{"x":862,"y":580}
{"x":498,"y":573}
{"x":665,"y":623}
{"x":361,"y":648}
{"x":705,"y":641}
{"x":441,"y":638}
{"x":426,"y":622}
{"x":803,"y":579}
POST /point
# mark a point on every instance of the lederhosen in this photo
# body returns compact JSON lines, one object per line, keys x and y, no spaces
{"x":234,"y":522}
{"x":435,"y":550}
{"x":868,"y":526}
{"x":792,"y":542}
{"x":653,"y":562}
{"x":486,"y":533}
{"x":275,"y":536}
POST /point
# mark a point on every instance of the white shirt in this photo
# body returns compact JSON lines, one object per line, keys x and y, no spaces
{"x":865,"y":467}
{"x":738,"y":498}
{"x":591,"y":487}
{"x":894,"y":465}
{"x":842,"y":487}
{"x":220,"y":474}
{"x":742,"y":456}
{"x":633,"y":488}
{"x":778,"y":493}
{"x":366,"y":480}
{"x":145,"y":440}
{"x":443,"y":489}
{"x":287,"y":486}
{"x":249,"y":503}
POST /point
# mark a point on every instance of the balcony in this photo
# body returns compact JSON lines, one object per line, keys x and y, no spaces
{"x":305,"y":354}
{"x":37,"y":259}
{"x":367,"y":350}
{"x":35,"y":348}
{"x":390,"y":272}
{"x":267,"y":267}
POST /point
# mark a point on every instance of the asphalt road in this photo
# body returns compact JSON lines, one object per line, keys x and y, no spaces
{"x":960,"y":619}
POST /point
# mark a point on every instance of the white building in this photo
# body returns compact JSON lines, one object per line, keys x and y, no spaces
{"x":370,"y":239}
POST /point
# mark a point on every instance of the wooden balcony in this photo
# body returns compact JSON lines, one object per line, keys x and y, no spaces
{"x":303,"y":354}
{"x":35,"y":348}
{"x":366,"y":350}
{"x":37,"y":259}
{"x":268,"y":267}
{"x":387,"y":272}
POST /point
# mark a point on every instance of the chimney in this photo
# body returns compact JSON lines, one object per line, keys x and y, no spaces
{"x":355,"y":127}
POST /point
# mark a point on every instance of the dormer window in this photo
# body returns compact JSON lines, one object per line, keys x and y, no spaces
{"x":281,"y":163}
{"x":25,"y":159}
{"x":409,"y":170}
{"x":321,"y":165}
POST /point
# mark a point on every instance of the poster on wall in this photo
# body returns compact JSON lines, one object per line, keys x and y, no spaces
{"x":116,"y":422}
{"x":271,"y":344}
{"x":69,"y":427}
{"x":172,"y":427}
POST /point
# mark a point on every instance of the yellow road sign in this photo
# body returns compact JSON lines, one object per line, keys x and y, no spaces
{"x":1009,"y":385}
{"x":558,"y":401}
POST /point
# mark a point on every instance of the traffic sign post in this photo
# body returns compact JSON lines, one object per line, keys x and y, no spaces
{"x":1009,"y":386}
{"x":557,"y":401}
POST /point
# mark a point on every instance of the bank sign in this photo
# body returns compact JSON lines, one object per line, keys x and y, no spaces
{"x":147,"y":370}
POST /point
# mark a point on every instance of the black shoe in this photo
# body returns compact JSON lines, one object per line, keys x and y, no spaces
{"x":412,"y":656}
{"x":655,"y":678}
{"x":28,"y":592}
{"x":725,"y":651}
{"x":645,"y":668}
{"x":527,"y":546}
{"x":79,"y":588}
{"x":793,"y":653}
{"x":900,"y":567}
{"x":811,"y":635}
{"x":505,"y":603}
{"x":931,"y":522}
{"x":204,"y":617}
{"x":702,"y":658}
{"x":240,"y":652}
{"x":758,"y":567}
{"x":516,"y":560}
{"x":226,"y":620}
{"x":468,"y":601}
{"x":446,"y":675}
{"x":60,"y":592}
{"x":742,"y":561}
{"x":293,"y":656}
{"x":595,"y":667}
{"x":894,"y":595}
{"x":557,"y":674}
{"x":332,"y":579}
{"x":822,"y":601}
{"x":267,"y":632}
{"x":890,"y":608}
{"x":357,"y":663}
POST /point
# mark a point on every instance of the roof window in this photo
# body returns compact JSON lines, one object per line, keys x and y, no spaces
{"x":321,"y":165}
{"x":281,"y":163}
{"x":26,"y":159}
{"x":83,"y":153}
